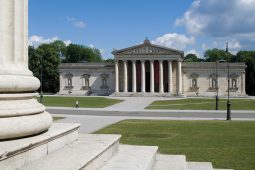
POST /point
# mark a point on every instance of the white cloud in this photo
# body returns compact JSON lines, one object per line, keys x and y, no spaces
{"x":174,"y":40}
{"x":67,"y":42}
{"x":76,"y":23}
{"x":219,"y":18}
{"x":91,"y":46}
{"x":193,"y":51}
{"x":37,"y":40}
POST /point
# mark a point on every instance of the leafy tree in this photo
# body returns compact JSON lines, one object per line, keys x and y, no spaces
{"x":46,"y":55}
{"x":73,"y":53}
{"x":109,"y":60}
{"x":34,"y":61}
{"x":192,"y":58}
{"x":249,"y":58}
{"x":60,"y":47}
{"x":212,"y":55}
{"x":78,"y":53}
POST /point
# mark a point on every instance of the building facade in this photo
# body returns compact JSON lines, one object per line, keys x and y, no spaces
{"x":152,"y":70}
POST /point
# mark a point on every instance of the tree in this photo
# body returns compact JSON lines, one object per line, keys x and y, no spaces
{"x":47,"y":55}
{"x":78,"y":53}
{"x":109,"y":60}
{"x":60,"y":47}
{"x":192,"y":58}
{"x":249,"y":58}
{"x":212,"y":55}
{"x":34,"y":61}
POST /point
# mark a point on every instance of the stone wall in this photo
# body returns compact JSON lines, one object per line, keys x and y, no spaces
{"x":96,"y":72}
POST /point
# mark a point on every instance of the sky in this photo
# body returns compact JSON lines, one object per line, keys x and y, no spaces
{"x":192,"y":26}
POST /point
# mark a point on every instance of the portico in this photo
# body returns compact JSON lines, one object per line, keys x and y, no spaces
{"x":148,"y":69}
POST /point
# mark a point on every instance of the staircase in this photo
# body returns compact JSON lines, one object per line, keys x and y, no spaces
{"x":92,"y":152}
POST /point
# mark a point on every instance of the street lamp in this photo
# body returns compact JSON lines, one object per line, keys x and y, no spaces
{"x":228,"y":102}
{"x":41,"y":78}
{"x":217,"y":87}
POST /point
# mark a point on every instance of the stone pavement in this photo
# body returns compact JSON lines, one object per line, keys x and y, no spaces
{"x":90,"y":124}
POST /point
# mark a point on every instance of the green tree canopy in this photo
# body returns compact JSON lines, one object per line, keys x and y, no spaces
{"x":48,"y":58}
{"x":249,"y":58}
{"x":212,"y":55}
{"x":192,"y":58}
{"x":78,"y":53}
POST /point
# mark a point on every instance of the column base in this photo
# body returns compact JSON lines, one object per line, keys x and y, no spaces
{"x":21,"y":115}
{"x":18,"y":83}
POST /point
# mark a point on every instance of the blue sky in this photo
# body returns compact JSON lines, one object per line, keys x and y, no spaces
{"x":189,"y":25}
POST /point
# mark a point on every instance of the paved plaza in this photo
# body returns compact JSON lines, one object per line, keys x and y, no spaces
{"x":93,"y":119}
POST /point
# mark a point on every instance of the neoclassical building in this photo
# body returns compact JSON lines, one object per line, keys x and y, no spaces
{"x":152,"y":70}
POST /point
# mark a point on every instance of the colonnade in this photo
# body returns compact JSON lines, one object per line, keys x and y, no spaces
{"x":152,"y":80}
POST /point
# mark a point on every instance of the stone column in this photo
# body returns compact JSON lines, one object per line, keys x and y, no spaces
{"x":143,"y":76}
{"x":170,"y":77}
{"x":134,"y":76}
{"x":179,"y":78}
{"x":243,"y":84}
{"x":152,"y":76}
{"x":117,"y":76}
{"x":21,"y":114}
{"x":125,"y":77}
{"x":161,"y":85}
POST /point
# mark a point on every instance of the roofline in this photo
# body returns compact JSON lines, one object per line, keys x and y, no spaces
{"x":115,"y":52}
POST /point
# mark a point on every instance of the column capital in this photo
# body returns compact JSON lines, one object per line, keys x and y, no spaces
{"x":179,"y":60}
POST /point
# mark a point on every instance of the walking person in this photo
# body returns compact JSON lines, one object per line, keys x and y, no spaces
{"x":77,"y":104}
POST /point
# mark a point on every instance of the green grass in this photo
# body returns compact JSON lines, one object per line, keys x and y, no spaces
{"x":202,"y":104}
{"x":85,"y":102}
{"x":225,"y":144}
{"x":57,"y":118}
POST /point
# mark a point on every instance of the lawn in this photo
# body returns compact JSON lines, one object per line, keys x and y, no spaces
{"x":85,"y":102}
{"x":225,"y":144}
{"x":57,"y":118}
{"x":202,"y":104}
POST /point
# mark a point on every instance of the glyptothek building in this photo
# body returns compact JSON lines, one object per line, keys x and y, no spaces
{"x":152,"y":70}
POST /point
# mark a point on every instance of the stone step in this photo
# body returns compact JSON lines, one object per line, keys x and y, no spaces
{"x":199,"y":166}
{"x":89,"y":152}
{"x":132,"y":158}
{"x":170,"y":162}
{"x":15,"y":154}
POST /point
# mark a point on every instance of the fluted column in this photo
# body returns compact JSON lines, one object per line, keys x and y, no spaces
{"x":161,"y":86}
{"x":21,"y":114}
{"x":170,"y":77}
{"x":134,"y":76}
{"x":143,"y":76}
{"x":152,"y":76}
{"x":7,"y":26}
{"x":117,"y":76}
{"x":125,"y":77}
{"x":243,"y":84}
{"x":179,"y":78}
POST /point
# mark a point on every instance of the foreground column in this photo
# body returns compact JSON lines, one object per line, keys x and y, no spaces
{"x":116,"y":76}
{"x":161,"y":86}
{"x":125,"y":77}
{"x":152,"y":76}
{"x":134,"y":76}
{"x":20,"y":113}
{"x":179,"y":72}
{"x":170,"y":77}
{"x":143,"y":76}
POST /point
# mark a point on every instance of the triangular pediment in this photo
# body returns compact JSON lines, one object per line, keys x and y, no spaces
{"x":147,"y":49}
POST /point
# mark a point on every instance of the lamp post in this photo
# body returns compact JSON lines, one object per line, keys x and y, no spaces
{"x":228,"y":102}
{"x":41,"y":79}
{"x":217,"y":88}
